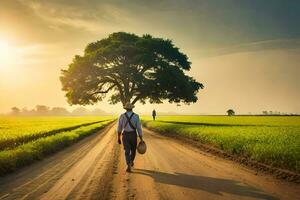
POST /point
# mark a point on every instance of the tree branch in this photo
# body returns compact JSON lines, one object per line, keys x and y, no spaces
{"x":136,"y":99}
{"x":104,"y":92}
{"x":132,"y":88}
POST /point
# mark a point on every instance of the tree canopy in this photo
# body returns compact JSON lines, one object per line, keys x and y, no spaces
{"x":130,"y":68}
{"x":230,"y":112}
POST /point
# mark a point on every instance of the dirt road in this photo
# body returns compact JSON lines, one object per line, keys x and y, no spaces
{"x":94,"y":168}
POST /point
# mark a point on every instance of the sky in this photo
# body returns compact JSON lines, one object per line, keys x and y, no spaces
{"x":245,"y":52}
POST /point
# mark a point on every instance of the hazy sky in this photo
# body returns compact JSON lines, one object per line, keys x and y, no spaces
{"x":245,"y":52}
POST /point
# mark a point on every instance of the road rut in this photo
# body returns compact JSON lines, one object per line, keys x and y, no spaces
{"x":173,"y":170}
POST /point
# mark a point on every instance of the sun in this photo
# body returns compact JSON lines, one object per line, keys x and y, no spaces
{"x":6,"y":53}
{"x":4,"y":46}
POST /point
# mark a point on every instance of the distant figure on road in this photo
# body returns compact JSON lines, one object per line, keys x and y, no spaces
{"x":129,"y":125}
{"x":154,"y":114}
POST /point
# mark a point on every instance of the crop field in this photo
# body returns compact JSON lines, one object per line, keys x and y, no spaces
{"x":25,"y":139}
{"x":18,"y":130}
{"x":274,"y":140}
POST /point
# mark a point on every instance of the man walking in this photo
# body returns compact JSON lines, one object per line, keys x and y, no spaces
{"x":129,"y":125}
{"x":154,"y":114}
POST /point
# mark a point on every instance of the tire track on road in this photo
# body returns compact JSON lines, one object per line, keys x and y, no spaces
{"x":33,"y":181}
{"x":172,"y":169}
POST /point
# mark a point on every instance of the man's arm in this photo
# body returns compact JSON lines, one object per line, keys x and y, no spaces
{"x":119,"y":128}
{"x":139,"y":128}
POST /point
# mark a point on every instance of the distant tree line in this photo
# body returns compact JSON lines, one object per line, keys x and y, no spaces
{"x":231,"y":112}
{"x":55,"y":111}
{"x":276,"y":113}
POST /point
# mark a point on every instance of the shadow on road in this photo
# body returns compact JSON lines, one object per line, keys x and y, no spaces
{"x":213,"y":185}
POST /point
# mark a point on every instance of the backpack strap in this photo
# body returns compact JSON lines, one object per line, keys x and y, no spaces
{"x":129,"y":121}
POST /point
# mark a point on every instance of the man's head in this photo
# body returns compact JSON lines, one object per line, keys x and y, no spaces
{"x":128,"y":106}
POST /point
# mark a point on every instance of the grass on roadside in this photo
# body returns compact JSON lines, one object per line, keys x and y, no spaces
{"x":276,"y":144}
{"x":16,"y":131}
{"x":25,"y":154}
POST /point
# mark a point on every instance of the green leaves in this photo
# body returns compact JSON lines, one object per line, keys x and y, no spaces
{"x":130,"y":68}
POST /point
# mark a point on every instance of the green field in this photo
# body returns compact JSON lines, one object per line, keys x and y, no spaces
{"x":274,"y":140}
{"x":25,"y":139}
{"x":18,"y":130}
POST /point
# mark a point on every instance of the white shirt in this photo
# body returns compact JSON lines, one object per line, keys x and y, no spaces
{"x":135,"y":120}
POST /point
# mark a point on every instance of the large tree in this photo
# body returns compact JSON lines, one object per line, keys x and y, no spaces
{"x":130,"y":68}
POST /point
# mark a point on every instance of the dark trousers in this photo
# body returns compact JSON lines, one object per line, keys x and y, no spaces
{"x":129,"y":143}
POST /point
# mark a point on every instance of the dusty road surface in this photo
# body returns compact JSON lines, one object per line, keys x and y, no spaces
{"x":82,"y":171}
{"x":94,"y":168}
{"x":173,"y":170}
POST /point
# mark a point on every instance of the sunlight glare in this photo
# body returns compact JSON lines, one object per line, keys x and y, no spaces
{"x":7,"y":54}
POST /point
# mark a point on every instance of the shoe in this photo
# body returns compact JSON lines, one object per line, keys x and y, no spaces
{"x":132,"y":164}
{"x":128,"y":168}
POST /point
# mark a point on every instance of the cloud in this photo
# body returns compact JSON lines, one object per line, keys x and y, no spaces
{"x":254,"y":46}
{"x":214,"y":28}
{"x":91,"y":17}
